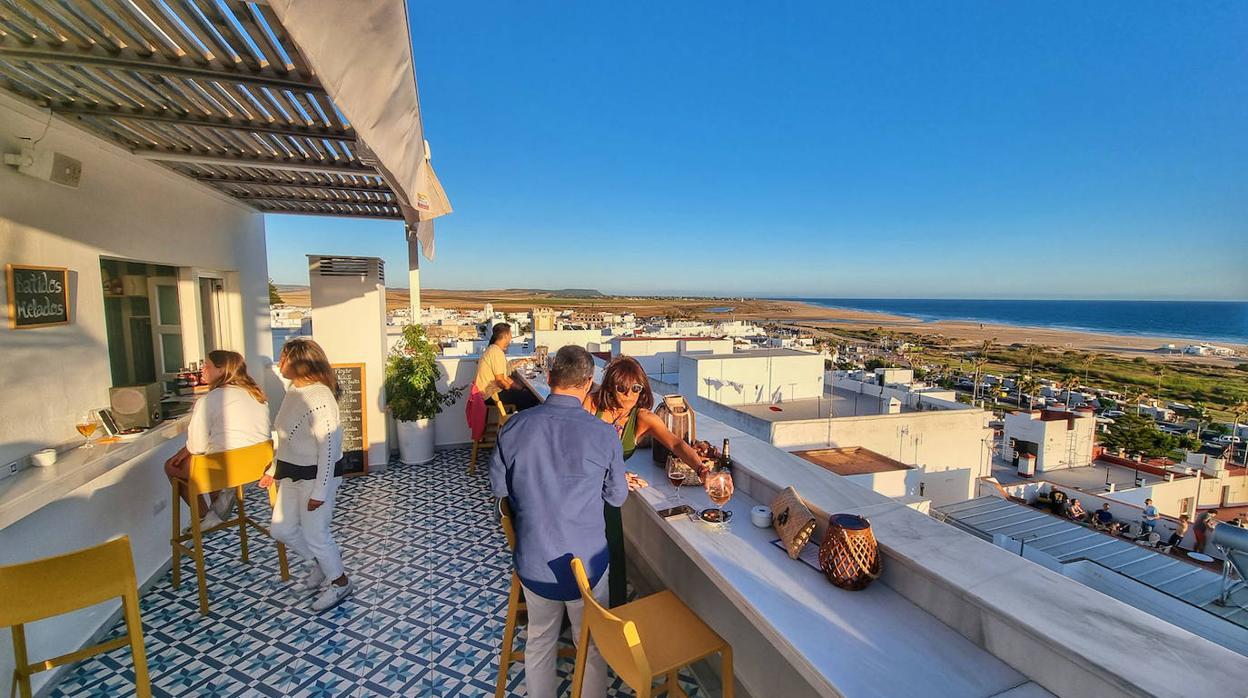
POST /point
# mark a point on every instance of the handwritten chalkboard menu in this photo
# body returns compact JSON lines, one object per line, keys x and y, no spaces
{"x":37,"y":296}
{"x":351,"y":414}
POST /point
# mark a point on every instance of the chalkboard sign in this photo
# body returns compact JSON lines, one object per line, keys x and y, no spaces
{"x":354,"y":421}
{"x":38,"y":296}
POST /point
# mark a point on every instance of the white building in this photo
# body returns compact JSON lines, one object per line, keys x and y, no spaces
{"x":753,"y":377}
{"x":660,"y":356}
{"x":1054,"y":439}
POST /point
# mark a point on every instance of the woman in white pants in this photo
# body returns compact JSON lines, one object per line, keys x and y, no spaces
{"x":308,"y":470}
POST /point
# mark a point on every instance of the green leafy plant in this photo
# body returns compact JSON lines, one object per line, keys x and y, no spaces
{"x":412,"y":374}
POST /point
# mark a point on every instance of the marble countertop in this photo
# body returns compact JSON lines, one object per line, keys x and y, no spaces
{"x":867,"y":643}
{"x":35,"y":487}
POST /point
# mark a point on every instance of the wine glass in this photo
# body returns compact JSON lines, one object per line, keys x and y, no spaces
{"x":86,"y":425}
{"x":719,"y":490}
{"x":676,"y":474}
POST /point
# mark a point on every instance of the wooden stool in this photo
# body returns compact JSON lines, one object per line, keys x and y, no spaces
{"x":651,"y":637}
{"x":515,"y":606}
{"x":231,"y":469}
{"x":490,"y":436}
{"x":32,"y":591}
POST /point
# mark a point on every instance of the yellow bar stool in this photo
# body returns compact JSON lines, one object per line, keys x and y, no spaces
{"x":233,"y":469}
{"x":515,"y":606}
{"x":651,"y":637}
{"x":32,"y":591}
{"x":489,"y":437}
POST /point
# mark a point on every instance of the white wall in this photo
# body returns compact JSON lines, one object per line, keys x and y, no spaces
{"x":943,"y":400}
{"x":1054,"y":439}
{"x":745,"y":379}
{"x":891,"y":483}
{"x":556,"y":339}
{"x":125,"y":208}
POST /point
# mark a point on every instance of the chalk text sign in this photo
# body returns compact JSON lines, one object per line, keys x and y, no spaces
{"x":37,"y":296}
{"x":352,"y":417}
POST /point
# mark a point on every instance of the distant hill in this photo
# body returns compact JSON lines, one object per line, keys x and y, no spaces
{"x":561,"y":293}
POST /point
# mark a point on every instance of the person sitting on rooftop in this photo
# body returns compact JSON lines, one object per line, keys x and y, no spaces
{"x":1103,"y":516}
{"x":1076,"y":512}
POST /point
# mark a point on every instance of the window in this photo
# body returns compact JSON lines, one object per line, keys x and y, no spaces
{"x":143,"y":319}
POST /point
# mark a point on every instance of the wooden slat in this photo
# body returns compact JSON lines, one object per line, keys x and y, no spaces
{"x":61,"y":29}
{"x":185,"y":41}
{"x":148,"y":27}
{"x":101,"y":34}
{"x":226,"y":30}
{"x":124,"y":33}
{"x":187,"y":11}
{"x":301,"y":68}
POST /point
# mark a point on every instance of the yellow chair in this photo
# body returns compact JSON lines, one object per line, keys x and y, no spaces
{"x":515,"y":606}
{"x":490,"y":436}
{"x":231,"y":469}
{"x":32,"y":591}
{"x":651,"y":637}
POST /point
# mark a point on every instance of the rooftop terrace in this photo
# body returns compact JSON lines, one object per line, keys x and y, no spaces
{"x":851,"y":461}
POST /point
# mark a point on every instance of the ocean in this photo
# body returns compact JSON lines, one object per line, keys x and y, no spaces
{"x":1211,"y":321}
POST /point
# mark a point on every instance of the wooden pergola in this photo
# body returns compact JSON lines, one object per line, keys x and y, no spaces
{"x":215,"y":90}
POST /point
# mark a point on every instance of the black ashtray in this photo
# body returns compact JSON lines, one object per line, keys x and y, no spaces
{"x":716,"y":516}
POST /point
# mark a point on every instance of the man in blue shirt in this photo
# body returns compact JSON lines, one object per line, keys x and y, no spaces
{"x":1151,"y":517}
{"x":556,"y":464}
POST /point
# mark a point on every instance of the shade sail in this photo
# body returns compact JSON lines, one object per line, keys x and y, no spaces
{"x":224,"y":92}
{"x":362,"y":53}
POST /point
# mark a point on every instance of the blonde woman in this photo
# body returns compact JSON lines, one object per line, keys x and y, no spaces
{"x":232,"y":414}
{"x":308,"y":470}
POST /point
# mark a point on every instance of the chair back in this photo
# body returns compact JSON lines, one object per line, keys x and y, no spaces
{"x":227,"y":469}
{"x":54,"y":585}
{"x":617,"y":639}
{"x":509,"y":528}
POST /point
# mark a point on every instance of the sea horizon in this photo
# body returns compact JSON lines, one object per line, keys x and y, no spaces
{"x":1209,"y":321}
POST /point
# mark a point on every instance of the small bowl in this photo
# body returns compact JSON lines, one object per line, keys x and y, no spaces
{"x":43,"y":458}
{"x":761,"y":516}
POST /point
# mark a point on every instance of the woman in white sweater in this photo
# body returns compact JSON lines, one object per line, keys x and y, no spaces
{"x":233,"y":414}
{"x":308,"y":470}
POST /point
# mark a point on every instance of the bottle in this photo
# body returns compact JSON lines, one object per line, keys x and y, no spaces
{"x":725,"y":460}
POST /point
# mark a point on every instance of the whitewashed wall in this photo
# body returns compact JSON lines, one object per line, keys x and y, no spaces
{"x":746,"y":379}
{"x":1054,"y":439}
{"x":125,"y":208}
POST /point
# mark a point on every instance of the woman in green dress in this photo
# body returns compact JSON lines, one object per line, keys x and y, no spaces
{"x":623,"y":400}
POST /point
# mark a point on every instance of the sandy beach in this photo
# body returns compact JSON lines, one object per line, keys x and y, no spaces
{"x":973,"y":333}
{"x":810,"y":316}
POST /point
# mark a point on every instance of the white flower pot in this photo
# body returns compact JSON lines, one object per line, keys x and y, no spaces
{"x":415,"y":441}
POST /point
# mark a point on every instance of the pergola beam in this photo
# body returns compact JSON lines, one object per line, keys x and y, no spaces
{"x":207,"y":122}
{"x":157,"y":64}
{"x":244,"y":181}
{"x":265,"y":163}
{"x":311,"y":199}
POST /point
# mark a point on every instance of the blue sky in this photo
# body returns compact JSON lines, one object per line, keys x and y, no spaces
{"x":936,"y":149}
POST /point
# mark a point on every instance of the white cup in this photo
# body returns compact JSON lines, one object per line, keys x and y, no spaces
{"x":44,"y":458}
{"x":761,"y":516}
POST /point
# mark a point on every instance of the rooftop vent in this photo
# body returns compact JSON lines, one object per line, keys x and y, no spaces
{"x":366,"y":267}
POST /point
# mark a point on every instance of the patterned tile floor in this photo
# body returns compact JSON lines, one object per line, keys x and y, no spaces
{"x":431,"y":571}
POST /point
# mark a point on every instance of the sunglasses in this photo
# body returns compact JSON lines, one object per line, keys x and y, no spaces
{"x":635,"y":389}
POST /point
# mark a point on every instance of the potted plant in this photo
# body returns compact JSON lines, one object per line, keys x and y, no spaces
{"x":412,"y":374}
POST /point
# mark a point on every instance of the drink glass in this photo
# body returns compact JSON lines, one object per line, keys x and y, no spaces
{"x":719,"y":490}
{"x":86,"y":425}
{"x":676,"y":474}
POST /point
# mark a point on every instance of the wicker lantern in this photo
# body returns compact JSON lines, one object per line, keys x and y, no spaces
{"x":849,"y":555}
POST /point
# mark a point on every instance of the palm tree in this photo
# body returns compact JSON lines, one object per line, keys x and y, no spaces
{"x":1239,"y":410}
{"x":1087,"y":360}
{"x":1159,"y":370}
{"x":1028,"y":385}
{"x":1201,"y":414}
{"x":981,"y":360}
{"x":1139,"y":395}
{"x":1031,"y":352}
{"x":1069,"y":382}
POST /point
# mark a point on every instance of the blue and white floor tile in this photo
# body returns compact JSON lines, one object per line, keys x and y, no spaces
{"x":432,"y":573}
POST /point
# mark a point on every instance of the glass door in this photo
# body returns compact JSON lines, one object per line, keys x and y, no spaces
{"x":166,"y":326}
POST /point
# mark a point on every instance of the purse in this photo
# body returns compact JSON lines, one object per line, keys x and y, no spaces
{"x":792,"y":520}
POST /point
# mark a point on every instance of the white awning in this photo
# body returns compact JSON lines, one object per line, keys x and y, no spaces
{"x":362,"y":53}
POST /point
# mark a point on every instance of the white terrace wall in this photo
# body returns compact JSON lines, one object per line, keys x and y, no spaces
{"x":746,"y":378}
{"x":915,"y":400}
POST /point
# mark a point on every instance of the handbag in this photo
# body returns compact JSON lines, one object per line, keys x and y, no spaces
{"x":849,"y":555}
{"x":792,"y":520}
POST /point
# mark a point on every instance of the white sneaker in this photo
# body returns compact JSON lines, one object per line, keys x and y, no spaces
{"x":331,"y":596}
{"x":224,"y":503}
{"x":313,"y":581}
{"x":210,"y":519}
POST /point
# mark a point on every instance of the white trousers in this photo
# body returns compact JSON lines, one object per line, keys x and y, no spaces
{"x":541,"y":644}
{"x":305,"y":532}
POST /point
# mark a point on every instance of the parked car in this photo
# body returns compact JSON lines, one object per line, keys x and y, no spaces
{"x":1227,"y":439}
{"x":1113,"y":413}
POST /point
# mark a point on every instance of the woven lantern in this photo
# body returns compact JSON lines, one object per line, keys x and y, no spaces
{"x":849,"y":555}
